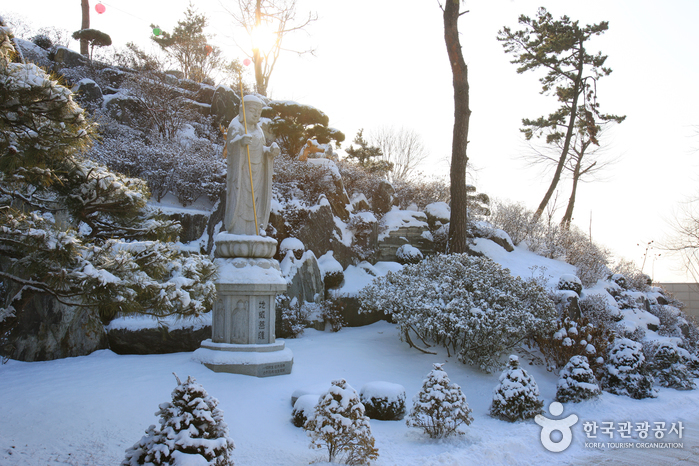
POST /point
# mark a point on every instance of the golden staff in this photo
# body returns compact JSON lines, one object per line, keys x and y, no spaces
{"x":245,"y":125}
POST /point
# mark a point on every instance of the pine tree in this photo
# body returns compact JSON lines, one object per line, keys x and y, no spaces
{"x":517,"y":395}
{"x":577,"y":381}
{"x":191,"y":427}
{"x":668,"y":368}
{"x":340,"y":425}
{"x":440,"y":407}
{"x":70,"y":227}
{"x":187,"y":45}
{"x":368,"y":157}
{"x":626,"y":372}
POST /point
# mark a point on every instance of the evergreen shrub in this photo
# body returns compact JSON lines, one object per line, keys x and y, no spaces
{"x":470,"y":305}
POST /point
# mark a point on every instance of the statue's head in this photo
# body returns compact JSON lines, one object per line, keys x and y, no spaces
{"x":253,"y":109}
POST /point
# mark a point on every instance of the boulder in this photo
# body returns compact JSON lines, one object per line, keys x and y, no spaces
{"x":224,"y":105}
{"x":383,"y":198}
{"x":125,"y":109}
{"x":438,"y":214}
{"x":320,"y":234}
{"x":203,"y":109}
{"x":65,"y":57}
{"x":304,"y":277}
{"x":112,"y":76}
{"x":32,"y":53}
{"x":194,"y":224}
{"x":46,"y":329}
{"x":88,"y":91}
{"x":158,"y":340}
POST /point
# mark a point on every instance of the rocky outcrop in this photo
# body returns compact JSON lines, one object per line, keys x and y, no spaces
{"x":383,"y":198}
{"x":88,"y":92}
{"x":65,"y":57}
{"x":224,"y":105}
{"x":304,"y":277}
{"x":45,"y":329}
{"x":158,"y":340}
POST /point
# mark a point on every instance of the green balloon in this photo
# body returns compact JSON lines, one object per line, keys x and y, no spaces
{"x":156,"y":31}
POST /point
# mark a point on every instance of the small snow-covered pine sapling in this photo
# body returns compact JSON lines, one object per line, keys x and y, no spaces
{"x":440,"y":407}
{"x":668,"y":369}
{"x":340,"y":425}
{"x":192,"y":431}
{"x":626,"y":372}
{"x":516,"y":397}
{"x":576,"y":381}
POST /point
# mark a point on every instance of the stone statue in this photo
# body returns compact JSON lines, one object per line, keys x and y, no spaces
{"x":240,"y":216}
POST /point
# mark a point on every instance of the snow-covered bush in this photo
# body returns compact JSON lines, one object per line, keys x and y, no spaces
{"x":303,"y":409}
{"x":626,"y":372}
{"x":576,"y":381}
{"x":192,"y":431}
{"x":549,"y":239}
{"x":331,"y":269}
{"x":470,"y":305}
{"x":421,"y":192}
{"x":340,"y":425}
{"x":189,"y":169}
{"x":408,"y":254}
{"x":363,"y":226}
{"x":383,"y":400}
{"x":299,"y":180}
{"x":440,"y":406}
{"x":571,"y":283}
{"x":515,"y":219}
{"x":599,"y":311}
{"x":668,"y":368}
{"x":294,"y":316}
{"x":672,"y":320}
{"x":575,"y":338}
{"x":516,"y":397}
{"x":331,"y":313}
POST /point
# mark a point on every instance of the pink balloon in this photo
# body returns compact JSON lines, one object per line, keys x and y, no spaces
{"x":246,"y":62}
{"x":99,"y":8}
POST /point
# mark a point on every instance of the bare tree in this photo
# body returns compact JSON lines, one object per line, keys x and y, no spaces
{"x":403,"y":148}
{"x":273,"y":18}
{"x":462,"y":114}
{"x":685,"y":239}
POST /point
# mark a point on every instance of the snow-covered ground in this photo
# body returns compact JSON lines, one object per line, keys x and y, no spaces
{"x":88,"y":410}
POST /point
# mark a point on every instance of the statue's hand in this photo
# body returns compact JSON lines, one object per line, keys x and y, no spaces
{"x":246,"y":139}
{"x":274,"y":149}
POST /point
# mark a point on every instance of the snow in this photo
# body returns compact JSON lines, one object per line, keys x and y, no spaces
{"x":359,"y":276}
{"x":390,"y":391}
{"x":142,"y":322}
{"x":328,"y":264}
{"x":524,"y":263}
{"x":292,"y":244}
{"x":396,"y":218}
{"x":90,"y":409}
{"x":439,"y":210}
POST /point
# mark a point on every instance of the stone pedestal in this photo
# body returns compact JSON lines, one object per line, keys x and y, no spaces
{"x":243,"y":340}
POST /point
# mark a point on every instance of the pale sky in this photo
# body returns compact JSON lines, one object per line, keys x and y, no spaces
{"x":384,"y":62}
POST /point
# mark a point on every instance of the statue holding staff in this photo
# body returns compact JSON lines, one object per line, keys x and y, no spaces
{"x":250,"y":168}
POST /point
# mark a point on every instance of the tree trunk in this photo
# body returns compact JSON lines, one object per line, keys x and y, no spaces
{"x":566,"y":145}
{"x":462,"y":113}
{"x":261,"y":86}
{"x":568,"y":216}
{"x":85,"y":25}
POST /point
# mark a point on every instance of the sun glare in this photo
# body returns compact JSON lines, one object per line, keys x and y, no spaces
{"x":264,"y":37}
